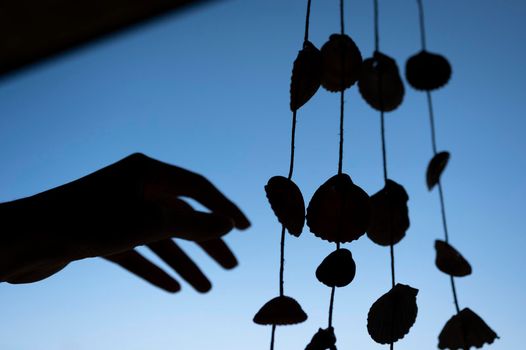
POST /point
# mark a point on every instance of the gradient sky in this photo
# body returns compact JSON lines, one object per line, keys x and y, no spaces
{"x":208,"y":90}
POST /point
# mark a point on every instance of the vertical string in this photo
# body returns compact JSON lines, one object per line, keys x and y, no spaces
{"x":272,"y":335}
{"x":382,"y":134}
{"x":422,"y":26}
{"x":376,"y":30}
{"x":307,"y":20}
{"x":340,"y":153}
{"x":434,"y":146}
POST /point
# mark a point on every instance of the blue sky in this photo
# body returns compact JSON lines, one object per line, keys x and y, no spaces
{"x":208,"y":90}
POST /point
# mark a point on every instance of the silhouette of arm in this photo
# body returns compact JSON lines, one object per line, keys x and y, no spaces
{"x":136,"y":201}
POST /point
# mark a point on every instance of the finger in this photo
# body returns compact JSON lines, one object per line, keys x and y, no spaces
{"x":177,"y":259}
{"x":219,"y":251}
{"x":36,"y":274}
{"x":194,"y":225}
{"x":145,"y":269}
{"x":168,"y":178}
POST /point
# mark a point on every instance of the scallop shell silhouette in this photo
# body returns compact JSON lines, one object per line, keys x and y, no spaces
{"x":306,"y":76}
{"x":450,"y":261}
{"x":280,"y":311}
{"x":464,"y":330}
{"x":380,"y":84}
{"x":287,"y":202}
{"x":324,"y":339}
{"x":341,"y":63}
{"x":393,"y":314}
{"x":339,"y":211}
{"x":389,"y":215}
{"x":435,"y":168}
{"x":337,"y":269}
{"x":427,"y":71}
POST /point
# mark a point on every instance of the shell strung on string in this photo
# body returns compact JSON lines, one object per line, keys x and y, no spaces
{"x":287,"y":202}
{"x":464,"y":330}
{"x":280,"y":311}
{"x":306,"y":76}
{"x":389,"y":215}
{"x":427,"y":71}
{"x":393,"y":314}
{"x":435,"y":168}
{"x":380,"y":84}
{"x":341,"y":63}
{"x":324,"y":339}
{"x":450,"y":261}
{"x":339,"y":211}
{"x":337,"y":269}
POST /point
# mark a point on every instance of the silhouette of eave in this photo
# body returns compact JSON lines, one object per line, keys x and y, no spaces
{"x":36,"y":30}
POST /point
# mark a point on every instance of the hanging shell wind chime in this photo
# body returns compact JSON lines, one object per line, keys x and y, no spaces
{"x":339,"y":211}
{"x":394,"y":313}
{"x":428,"y":71}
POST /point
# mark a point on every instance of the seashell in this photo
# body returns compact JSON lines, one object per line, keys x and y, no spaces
{"x":287,"y":203}
{"x":280,"y":311}
{"x":337,"y":269}
{"x":380,"y":84}
{"x":306,"y":76}
{"x":324,"y":339}
{"x":450,"y":261}
{"x":427,"y":71}
{"x":341,"y":63}
{"x":435,"y":168}
{"x":389,"y":215}
{"x":464,"y":330}
{"x":339,"y":210}
{"x":393,"y":314}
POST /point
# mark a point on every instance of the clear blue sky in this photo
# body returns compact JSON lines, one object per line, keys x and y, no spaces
{"x":208,"y":90}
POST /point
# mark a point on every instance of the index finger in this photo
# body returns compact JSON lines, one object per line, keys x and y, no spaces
{"x":180,"y":182}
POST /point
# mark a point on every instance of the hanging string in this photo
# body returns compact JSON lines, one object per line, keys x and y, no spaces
{"x":422,"y":26}
{"x":307,"y":20}
{"x":434,"y":146}
{"x":382,"y":134}
{"x":273,"y":334}
{"x":340,"y":153}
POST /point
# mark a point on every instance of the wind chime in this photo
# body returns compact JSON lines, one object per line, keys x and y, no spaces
{"x":341,"y":212}
{"x":393,"y":314}
{"x":428,"y":71}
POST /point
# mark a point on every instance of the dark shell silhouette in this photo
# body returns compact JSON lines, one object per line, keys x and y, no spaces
{"x":435,"y":168}
{"x":389,"y":214}
{"x":464,"y":330}
{"x":380,"y":84}
{"x":337,"y":269}
{"x":306,"y":76}
{"x":280,"y":311}
{"x":341,"y":63}
{"x":287,"y":203}
{"x":450,"y":261}
{"x":339,"y":211}
{"x":391,"y":316}
{"x":324,"y":339}
{"x":427,"y":71}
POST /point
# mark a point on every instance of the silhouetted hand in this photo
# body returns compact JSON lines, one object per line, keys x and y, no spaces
{"x":136,"y":201}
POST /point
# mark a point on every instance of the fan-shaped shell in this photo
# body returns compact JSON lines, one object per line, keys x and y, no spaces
{"x":464,"y":330}
{"x":391,"y":316}
{"x":450,"y":261}
{"x":339,"y":211}
{"x":341,"y":63}
{"x":323,"y":339}
{"x":280,"y":311}
{"x":306,"y":76}
{"x":427,"y":71}
{"x":435,"y":168}
{"x":337,"y":269}
{"x":389,"y":214}
{"x":287,"y":202}
{"x":380,"y":84}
